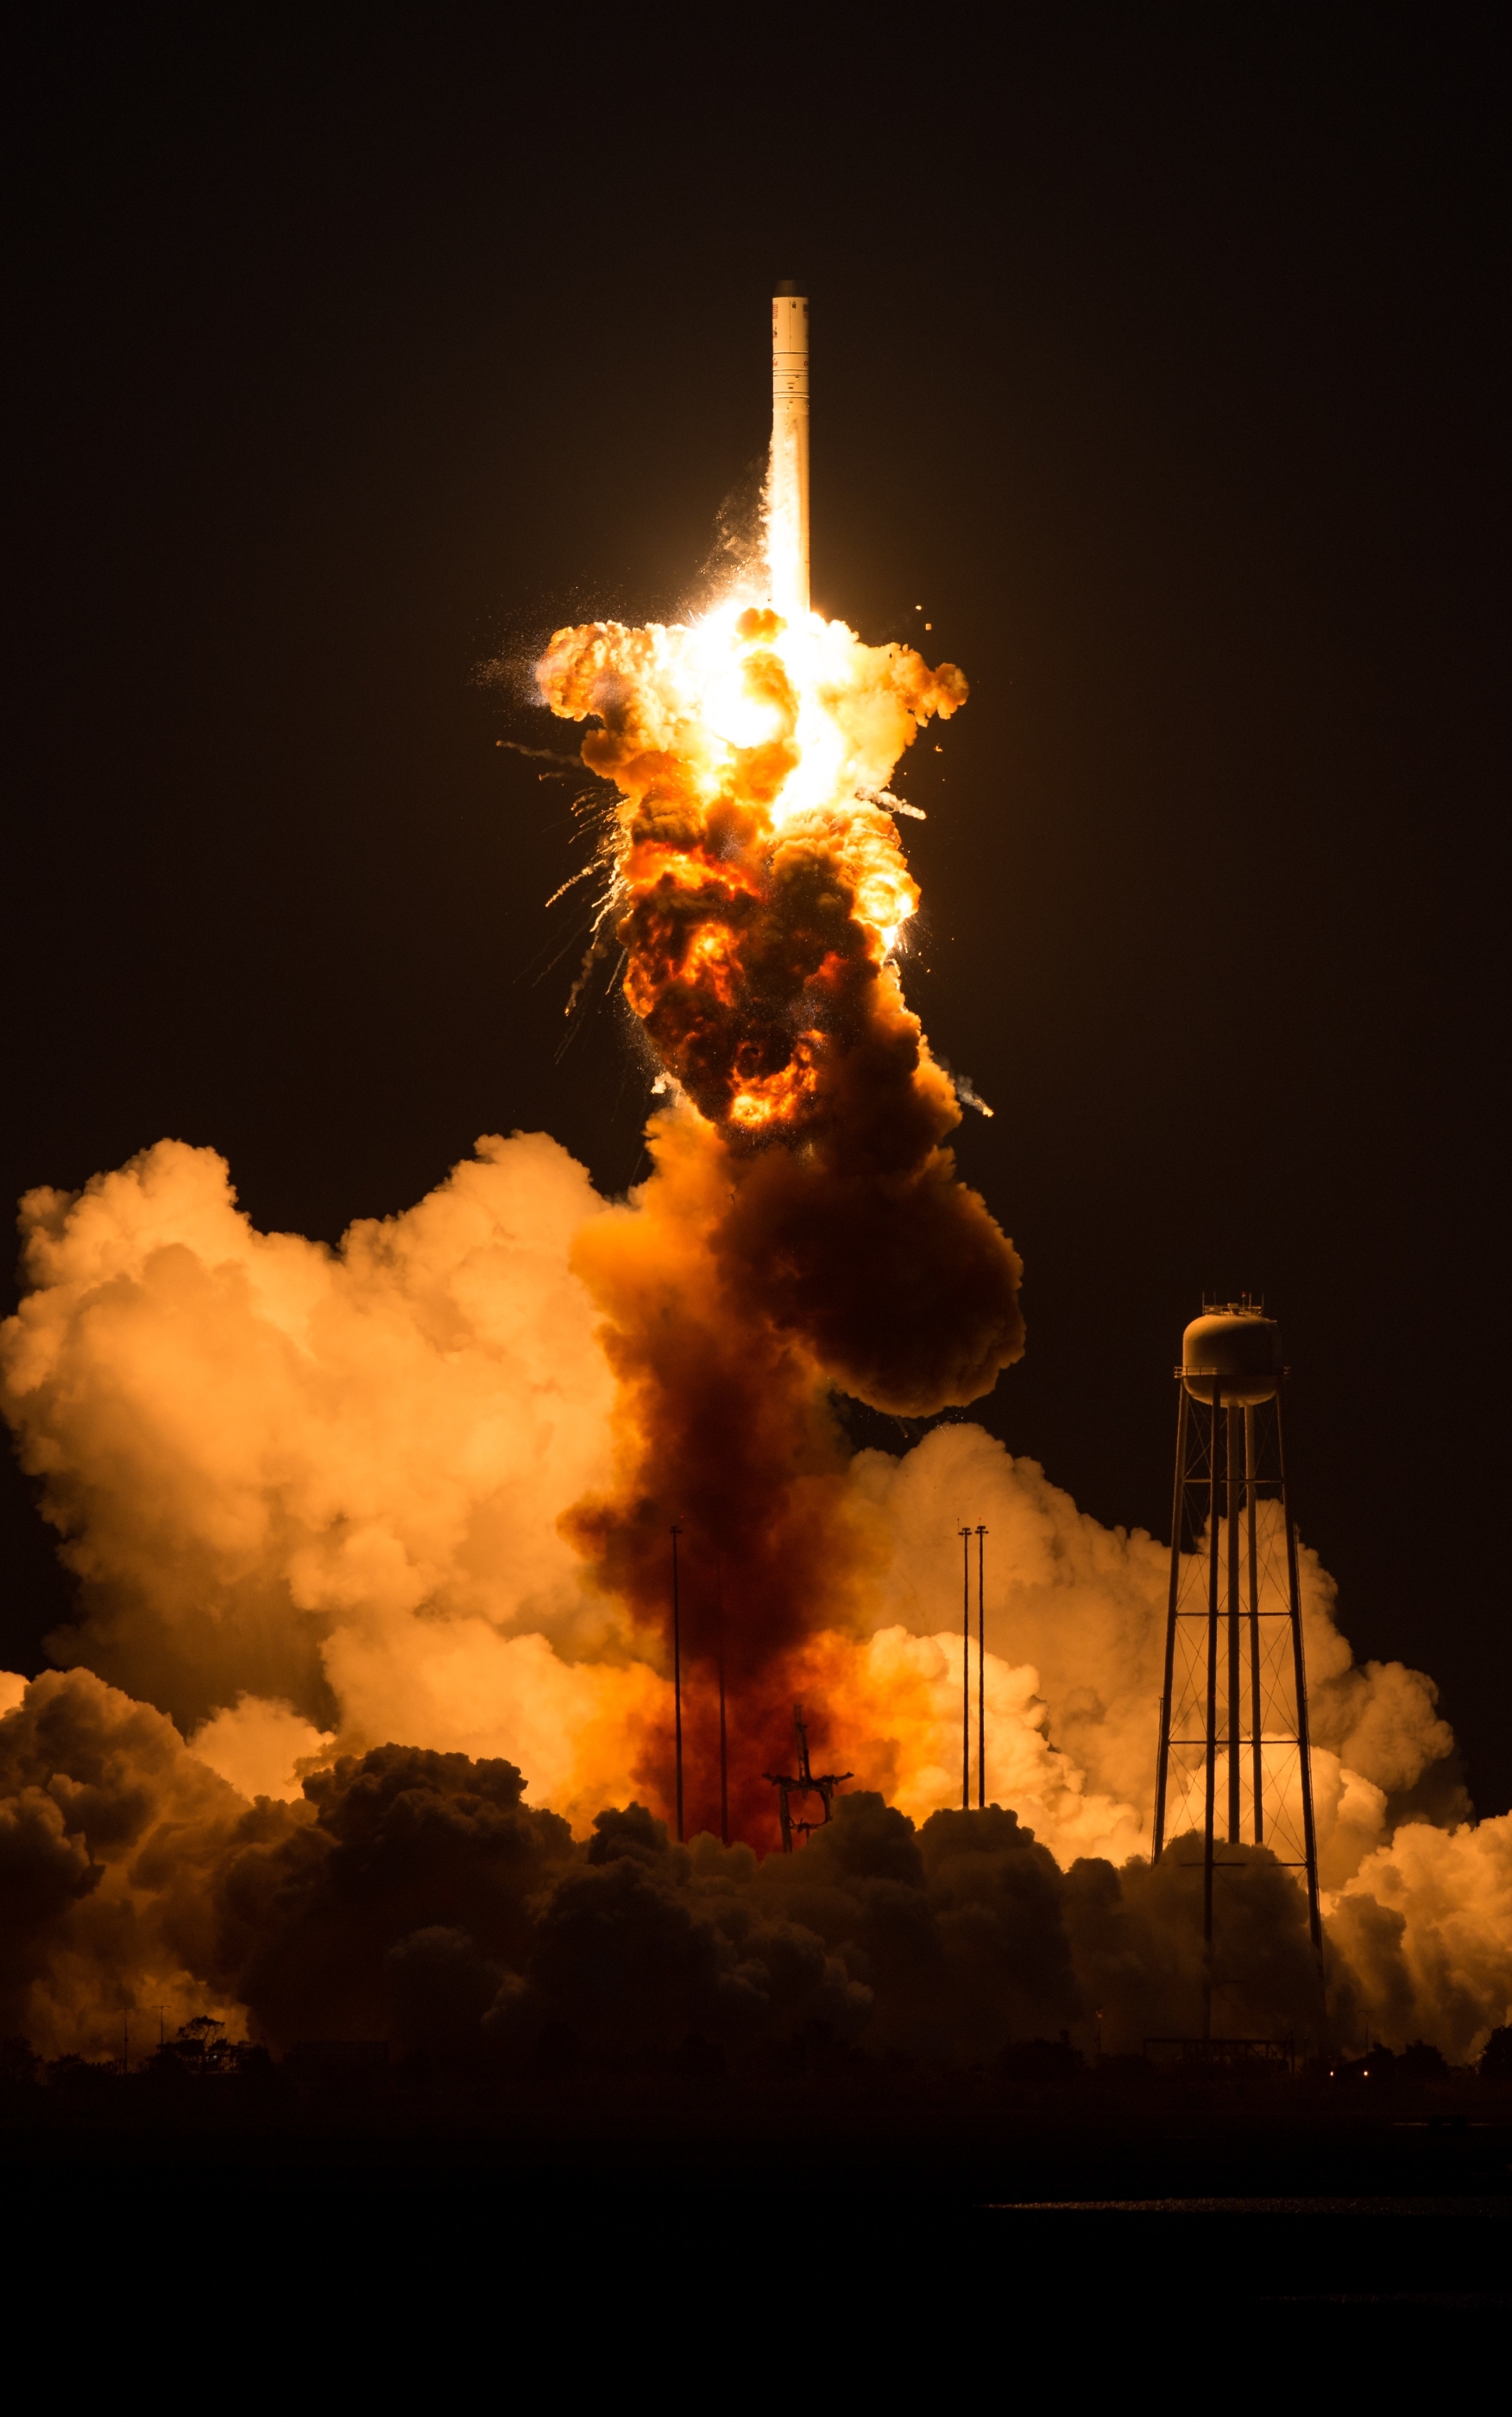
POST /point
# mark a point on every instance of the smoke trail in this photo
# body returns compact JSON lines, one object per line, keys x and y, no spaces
{"x":804,"y":1228}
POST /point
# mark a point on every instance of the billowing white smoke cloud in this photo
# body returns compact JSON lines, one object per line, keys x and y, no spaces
{"x":1026,"y":1768}
{"x":110,"y":1835}
{"x":261,"y":1747}
{"x":312,"y":1497}
{"x":325,"y":1483}
{"x":1084,"y":1606}
{"x":1423,"y":1934}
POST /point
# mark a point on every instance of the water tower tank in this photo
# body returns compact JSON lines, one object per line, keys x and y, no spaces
{"x":1241,"y":1347}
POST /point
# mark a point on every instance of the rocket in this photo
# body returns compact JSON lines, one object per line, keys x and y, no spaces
{"x":787,"y":513}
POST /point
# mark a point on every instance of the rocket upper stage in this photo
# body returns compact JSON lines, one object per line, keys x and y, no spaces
{"x":787,"y":522}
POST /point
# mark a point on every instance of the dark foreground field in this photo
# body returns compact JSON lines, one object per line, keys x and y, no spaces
{"x":825,"y":2223}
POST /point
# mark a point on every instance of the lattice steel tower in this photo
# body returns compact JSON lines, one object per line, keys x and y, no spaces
{"x":1235,"y":1762}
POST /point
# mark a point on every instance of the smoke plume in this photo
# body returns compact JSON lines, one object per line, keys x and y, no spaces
{"x":361,"y":1536}
{"x":266,"y":1459}
{"x":804,"y":1228}
{"x":414,"y":1895}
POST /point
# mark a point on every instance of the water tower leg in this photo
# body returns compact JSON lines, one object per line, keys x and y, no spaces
{"x":1235,"y":1418}
{"x":1255,"y":1726}
{"x":1309,"y":1835}
{"x":1210,"y":1796}
{"x":1178,"y":1521}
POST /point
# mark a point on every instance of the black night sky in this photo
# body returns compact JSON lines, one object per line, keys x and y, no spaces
{"x":1157,"y":355}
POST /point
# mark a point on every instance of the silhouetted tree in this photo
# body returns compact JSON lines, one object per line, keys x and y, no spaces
{"x":1496,"y":2056}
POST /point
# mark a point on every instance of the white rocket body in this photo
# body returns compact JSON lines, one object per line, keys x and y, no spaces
{"x":787,"y":513}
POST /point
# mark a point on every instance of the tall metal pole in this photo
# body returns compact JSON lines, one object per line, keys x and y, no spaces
{"x":981,"y":1673}
{"x":1256,"y":1723}
{"x":724,"y":1741}
{"x":677,"y":1673}
{"x":965,"y":1669}
{"x":1178,"y":1518}
{"x":1309,"y":1836}
{"x":1233,"y":1423}
{"x":1210,"y":1794}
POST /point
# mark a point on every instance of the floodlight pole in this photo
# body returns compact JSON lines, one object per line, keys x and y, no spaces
{"x":965,"y":1669}
{"x":1210,"y":1774}
{"x":724,"y":1741}
{"x":677,"y":1673}
{"x":981,"y":1673}
{"x":1257,"y":1722}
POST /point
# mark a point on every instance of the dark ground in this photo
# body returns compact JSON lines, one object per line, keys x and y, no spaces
{"x":1192,"y":2200}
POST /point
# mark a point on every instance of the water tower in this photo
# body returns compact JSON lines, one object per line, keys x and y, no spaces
{"x":1234,"y":1763}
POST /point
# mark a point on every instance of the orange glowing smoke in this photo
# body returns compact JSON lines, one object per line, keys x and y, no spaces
{"x":804,"y":1231}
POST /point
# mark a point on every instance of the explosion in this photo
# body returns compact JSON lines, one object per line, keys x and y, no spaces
{"x":363,"y":1536}
{"x":803,"y":1230}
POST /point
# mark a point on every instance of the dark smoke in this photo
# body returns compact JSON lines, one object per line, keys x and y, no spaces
{"x":414,"y":1897}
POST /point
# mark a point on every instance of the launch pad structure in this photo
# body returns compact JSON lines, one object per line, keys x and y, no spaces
{"x":806,"y":1783}
{"x":1233,"y":1709}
